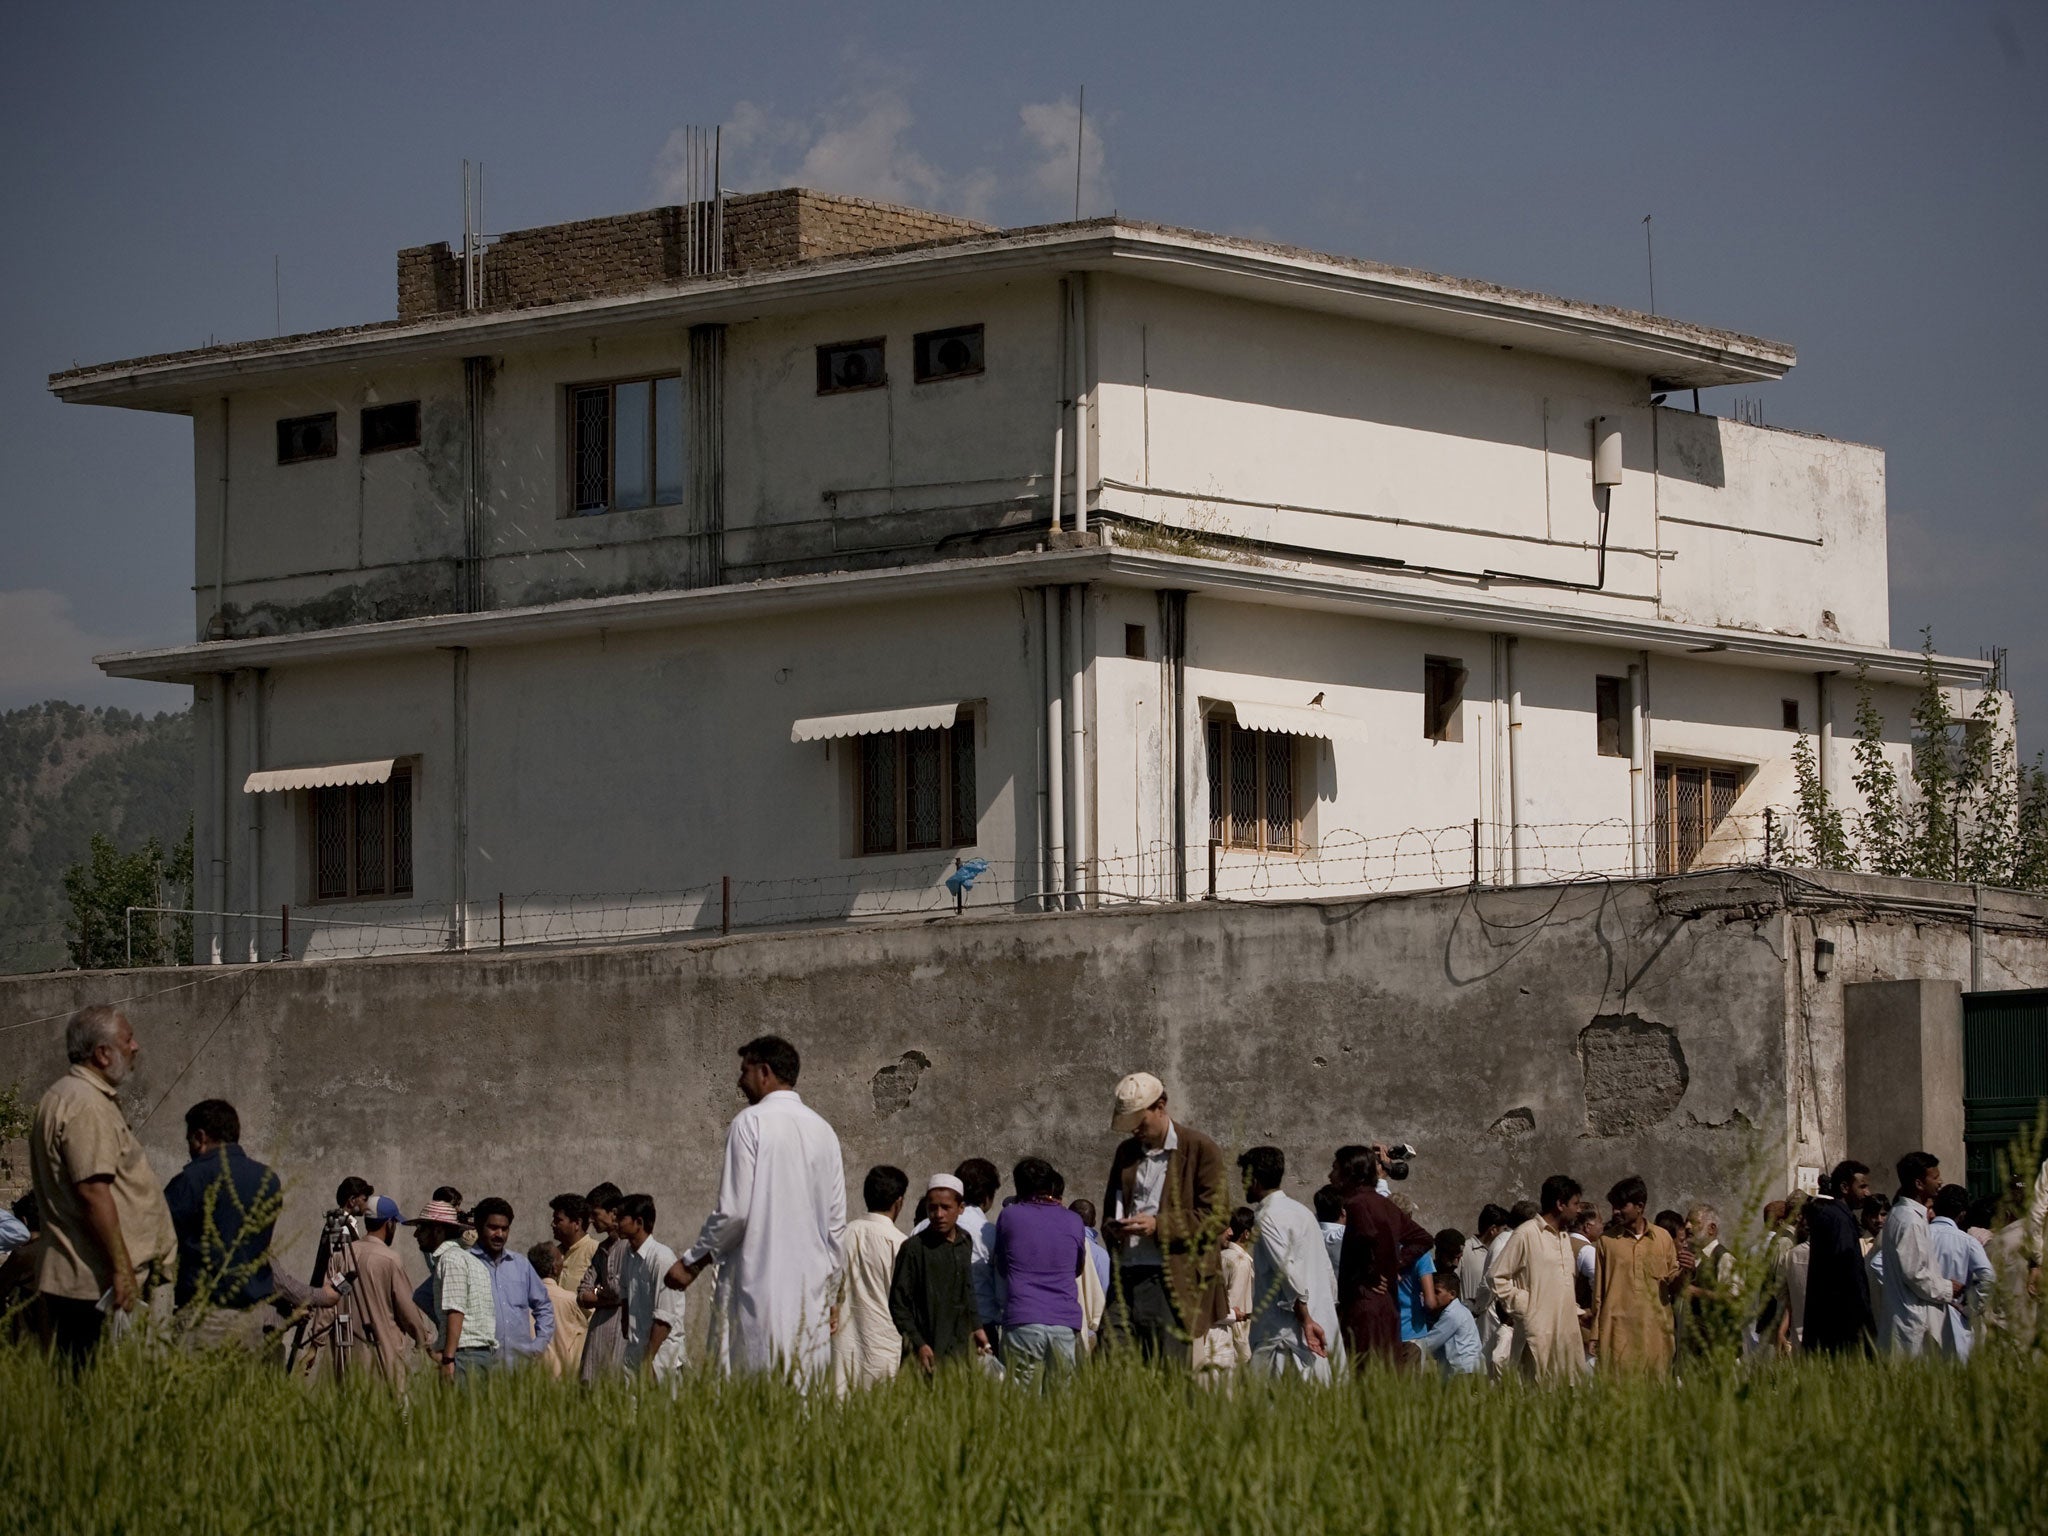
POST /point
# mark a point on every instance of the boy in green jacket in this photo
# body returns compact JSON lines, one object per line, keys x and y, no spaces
{"x":931,"y":1292}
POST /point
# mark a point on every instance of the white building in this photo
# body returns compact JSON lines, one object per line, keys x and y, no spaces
{"x":1105,"y":553}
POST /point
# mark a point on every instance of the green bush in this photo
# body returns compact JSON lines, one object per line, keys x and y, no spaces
{"x":146,"y":1443}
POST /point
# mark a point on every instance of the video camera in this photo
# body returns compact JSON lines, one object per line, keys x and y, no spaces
{"x":1396,"y":1161}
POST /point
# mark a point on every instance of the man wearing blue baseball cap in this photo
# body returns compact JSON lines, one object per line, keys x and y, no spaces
{"x":385,"y":1314}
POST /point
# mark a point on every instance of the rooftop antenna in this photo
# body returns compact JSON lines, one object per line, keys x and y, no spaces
{"x":703,"y":200}
{"x":1650,"y":251}
{"x":1080,"y":140}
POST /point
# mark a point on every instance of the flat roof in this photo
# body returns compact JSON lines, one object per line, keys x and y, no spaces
{"x":1671,"y":354}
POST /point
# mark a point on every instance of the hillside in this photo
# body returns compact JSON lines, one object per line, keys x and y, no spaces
{"x":67,"y":772}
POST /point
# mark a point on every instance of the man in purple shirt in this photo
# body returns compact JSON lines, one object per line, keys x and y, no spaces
{"x":1038,"y":1252}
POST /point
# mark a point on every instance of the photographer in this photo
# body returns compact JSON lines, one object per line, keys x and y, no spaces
{"x":223,"y":1206}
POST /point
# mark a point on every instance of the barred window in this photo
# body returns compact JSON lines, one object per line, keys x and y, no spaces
{"x":1252,"y":777}
{"x":915,"y":789}
{"x":626,"y":445}
{"x":362,"y":839}
{"x":1693,"y":799}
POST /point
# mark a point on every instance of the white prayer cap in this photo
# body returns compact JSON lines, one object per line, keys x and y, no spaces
{"x":946,"y":1181}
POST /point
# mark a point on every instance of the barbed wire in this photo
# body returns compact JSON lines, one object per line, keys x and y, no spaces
{"x":1336,"y":862}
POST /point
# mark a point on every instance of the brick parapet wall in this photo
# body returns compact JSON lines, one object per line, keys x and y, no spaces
{"x":628,"y":252}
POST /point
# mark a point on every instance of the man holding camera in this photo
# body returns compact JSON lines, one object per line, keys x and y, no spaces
{"x":1380,"y":1242}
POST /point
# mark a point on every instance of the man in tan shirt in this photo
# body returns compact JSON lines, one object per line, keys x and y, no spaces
{"x":107,"y":1233}
{"x":1638,"y":1273}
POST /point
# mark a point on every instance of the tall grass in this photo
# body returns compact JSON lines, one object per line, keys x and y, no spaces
{"x":148,"y":1443}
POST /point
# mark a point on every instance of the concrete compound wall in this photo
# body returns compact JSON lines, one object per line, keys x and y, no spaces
{"x":1673,"y":1029}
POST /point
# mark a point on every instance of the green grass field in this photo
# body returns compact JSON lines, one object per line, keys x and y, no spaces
{"x":152,"y":1444}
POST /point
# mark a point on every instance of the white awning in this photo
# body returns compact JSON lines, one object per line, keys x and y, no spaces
{"x":876,"y":722}
{"x":1291,"y":719}
{"x":319,"y":776}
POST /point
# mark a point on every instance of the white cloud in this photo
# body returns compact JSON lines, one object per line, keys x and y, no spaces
{"x":45,"y":653}
{"x":864,"y":145}
{"x":1050,"y":126}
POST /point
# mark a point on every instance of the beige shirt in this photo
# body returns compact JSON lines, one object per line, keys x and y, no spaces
{"x":1534,"y":1279}
{"x":565,"y":1349}
{"x":575,"y":1261}
{"x":866,"y":1348}
{"x":79,"y":1134}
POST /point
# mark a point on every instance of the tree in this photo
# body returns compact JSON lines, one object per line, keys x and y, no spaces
{"x":100,"y":933}
{"x":1967,"y":812}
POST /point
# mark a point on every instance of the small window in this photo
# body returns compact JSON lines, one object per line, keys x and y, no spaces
{"x":916,"y":789}
{"x":302,"y":438}
{"x":1610,"y":705}
{"x":386,"y":427}
{"x":1790,"y":709}
{"x":626,"y":445}
{"x":952,"y":354}
{"x":844,"y":366}
{"x":1693,"y":799}
{"x":1252,"y":777}
{"x":362,"y":839}
{"x":1443,"y":694}
{"x":1134,"y":641}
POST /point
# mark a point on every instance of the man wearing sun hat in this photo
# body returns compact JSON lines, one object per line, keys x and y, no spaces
{"x":465,"y":1310}
{"x":1163,"y":1213}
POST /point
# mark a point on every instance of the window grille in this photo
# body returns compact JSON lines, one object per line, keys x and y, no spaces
{"x":626,"y":445}
{"x":949,"y":354}
{"x":1693,"y":799}
{"x":916,"y":789}
{"x":362,"y":839}
{"x":1252,"y":777}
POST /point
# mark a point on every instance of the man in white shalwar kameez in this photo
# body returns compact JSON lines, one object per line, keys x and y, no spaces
{"x":1294,"y":1328}
{"x":1916,"y":1293}
{"x":1534,"y":1282}
{"x":778,"y":1228}
{"x":866,"y":1348}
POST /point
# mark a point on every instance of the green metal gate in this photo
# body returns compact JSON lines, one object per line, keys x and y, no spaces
{"x":2005,"y":1078}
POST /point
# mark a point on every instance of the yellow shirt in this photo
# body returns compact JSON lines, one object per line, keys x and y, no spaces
{"x":79,"y":1134}
{"x":1633,"y":1319}
{"x":575,"y":1261}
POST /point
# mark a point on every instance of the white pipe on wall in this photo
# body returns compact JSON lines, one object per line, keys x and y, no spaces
{"x":1824,"y":707}
{"x":220,"y":539}
{"x":254,"y":719}
{"x":1649,"y":719}
{"x":1055,"y":747}
{"x":1081,"y":402}
{"x":1075,"y":749}
{"x":1514,"y":764}
{"x":1635,"y":770}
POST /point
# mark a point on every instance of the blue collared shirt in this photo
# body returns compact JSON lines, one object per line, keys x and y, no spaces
{"x":223,"y":1206}
{"x":525,"y":1316}
{"x":1963,"y":1258}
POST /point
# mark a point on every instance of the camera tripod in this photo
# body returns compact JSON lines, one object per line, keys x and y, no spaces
{"x":336,"y":1255}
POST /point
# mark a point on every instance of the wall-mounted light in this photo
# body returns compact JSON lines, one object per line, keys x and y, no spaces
{"x":1823,"y":957}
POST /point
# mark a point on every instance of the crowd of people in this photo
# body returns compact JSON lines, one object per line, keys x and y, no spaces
{"x":1174,"y":1266}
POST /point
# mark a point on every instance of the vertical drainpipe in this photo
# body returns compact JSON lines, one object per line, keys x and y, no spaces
{"x":1514,"y":764}
{"x":458,"y":926}
{"x":1055,"y":747}
{"x":1059,"y":411}
{"x":1081,"y":401}
{"x":218,"y":629}
{"x":1635,"y":769}
{"x":473,"y":379}
{"x":254,"y":878}
{"x":1650,"y":829}
{"x":222,"y":787}
{"x":1825,"y":713}
{"x":1072,"y":600}
{"x":1173,"y":628}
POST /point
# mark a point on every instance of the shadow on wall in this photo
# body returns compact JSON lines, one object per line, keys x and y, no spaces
{"x":1689,"y":448}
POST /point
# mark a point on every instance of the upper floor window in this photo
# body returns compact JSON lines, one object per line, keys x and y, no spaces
{"x":844,"y":366}
{"x":915,"y":789}
{"x":362,"y":839}
{"x":1252,"y":777}
{"x":1443,"y":692}
{"x":1693,"y":799}
{"x":1610,"y":714}
{"x":626,"y":445}
{"x":385,"y":427}
{"x":302,"y":438}
{"x":947,"y":354}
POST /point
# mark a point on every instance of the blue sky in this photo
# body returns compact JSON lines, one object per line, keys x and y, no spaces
{"x":1864,"y":181}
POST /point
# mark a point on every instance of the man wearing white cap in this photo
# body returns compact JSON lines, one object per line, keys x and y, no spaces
{"x":778,"y":1226}
{"x":1165,"y":1210}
